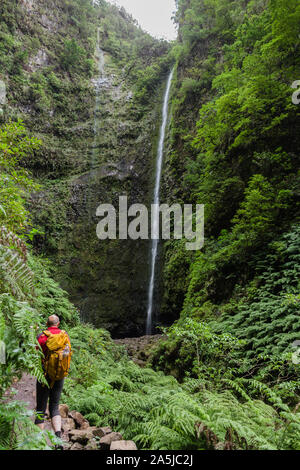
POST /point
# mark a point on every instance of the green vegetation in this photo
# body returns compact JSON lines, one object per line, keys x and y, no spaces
{"x":27,"y":297}
{"x":23,"y":312}
{"x":15,"y":182}
{"x":27,"y":293}
{"x":48,"y":71}
{"x":235,"y":145}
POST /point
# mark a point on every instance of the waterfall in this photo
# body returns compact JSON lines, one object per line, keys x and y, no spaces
{"x":155,"y":227}
{"x":94,"y":160}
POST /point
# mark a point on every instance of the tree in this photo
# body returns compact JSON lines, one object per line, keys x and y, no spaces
{"x":72,"y":54}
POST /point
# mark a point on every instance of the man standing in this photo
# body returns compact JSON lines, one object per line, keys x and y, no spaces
{"x":56,"y":347}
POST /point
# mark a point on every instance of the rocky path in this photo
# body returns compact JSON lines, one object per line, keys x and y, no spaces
{"x":25,"y":392}
{"x":77,"y":433}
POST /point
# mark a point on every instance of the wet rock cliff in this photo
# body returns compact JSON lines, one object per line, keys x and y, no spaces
{"x":88,"y":82}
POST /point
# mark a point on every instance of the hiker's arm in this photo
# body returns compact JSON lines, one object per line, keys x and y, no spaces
{"x":42,"y":341}
{"x":69,"y":339}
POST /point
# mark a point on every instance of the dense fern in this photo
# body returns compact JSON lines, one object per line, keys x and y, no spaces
{"x":22,"y":323}
{"x":268,"y":321}
{"x":27,"y":297}
{"x":15,"y":273}
{"x":17,"y":431}
{"x":160,"y":413}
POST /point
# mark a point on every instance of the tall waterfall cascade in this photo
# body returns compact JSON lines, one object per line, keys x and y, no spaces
{"x":98,"y":83}
{"x":156,"y":202}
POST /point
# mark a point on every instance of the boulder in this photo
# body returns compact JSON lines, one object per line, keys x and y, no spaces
{"x":81,"y":422}
{"x":67,"y":445}
{"x":106,"y":430}
{"x":91,"y":445}
{"x":100,"y":432}
{"x":67,"y":424}
{"x":77,"y":446}
{"x":64,"y":410}
{"x":106,"y":441}
{"x":123,"y":445}
{"x":81,"y":435}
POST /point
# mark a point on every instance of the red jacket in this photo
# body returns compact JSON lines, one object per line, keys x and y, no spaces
{"x":42,"y":338}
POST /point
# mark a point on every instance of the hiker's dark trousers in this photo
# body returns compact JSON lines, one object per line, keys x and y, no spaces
{"x":44,"y":393}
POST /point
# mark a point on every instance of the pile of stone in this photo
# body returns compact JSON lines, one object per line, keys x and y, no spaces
{"x":77,"y":434}
{"x":139,"y":349}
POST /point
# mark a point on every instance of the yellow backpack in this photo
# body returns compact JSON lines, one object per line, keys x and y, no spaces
{"x":58,"y":356}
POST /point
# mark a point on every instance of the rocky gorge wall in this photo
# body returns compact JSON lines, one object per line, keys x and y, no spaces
{"x":98,"y":143}
{"x":106,"y":279}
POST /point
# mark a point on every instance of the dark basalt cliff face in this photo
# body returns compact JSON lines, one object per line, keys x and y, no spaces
{"x":75,"y":74}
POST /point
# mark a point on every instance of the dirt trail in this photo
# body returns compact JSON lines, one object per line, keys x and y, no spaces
{"x":26,"y":392}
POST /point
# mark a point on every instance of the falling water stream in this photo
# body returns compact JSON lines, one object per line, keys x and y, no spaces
{"x":155,"y":212}
{"x":99,"y":81}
